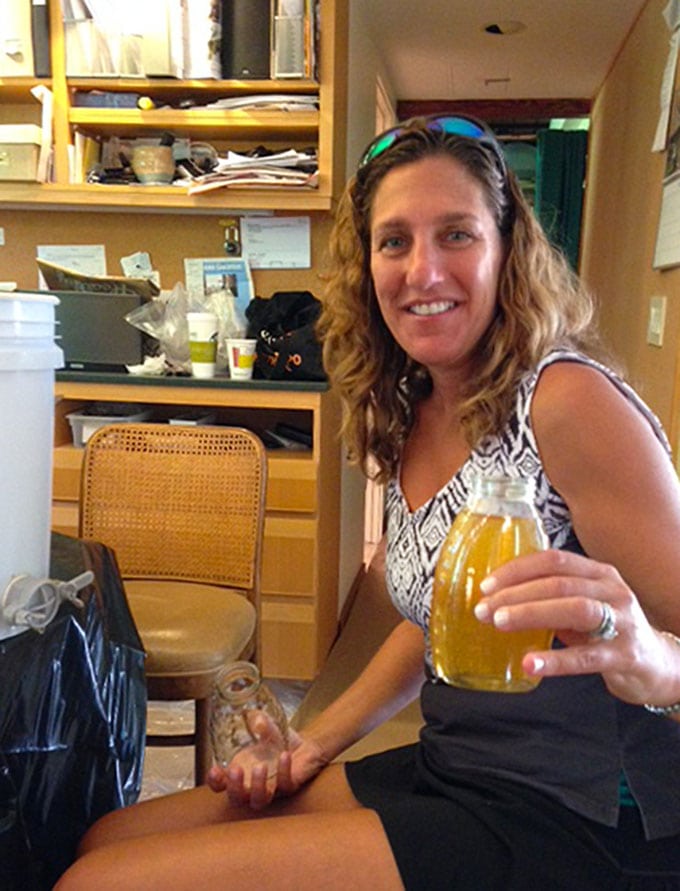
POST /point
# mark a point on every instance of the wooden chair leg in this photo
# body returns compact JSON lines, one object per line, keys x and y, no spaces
{"x":203,"y":750}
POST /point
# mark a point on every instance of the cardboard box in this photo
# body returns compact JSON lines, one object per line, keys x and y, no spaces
{"x":19,"y":149}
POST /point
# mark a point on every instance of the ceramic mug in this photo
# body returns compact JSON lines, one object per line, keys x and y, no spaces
{"x":153,"y":164}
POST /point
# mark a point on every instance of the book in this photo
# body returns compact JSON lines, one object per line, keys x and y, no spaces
{"x":246,"y":39}
{"x":160,"y":23}
{"x":40,"y":35}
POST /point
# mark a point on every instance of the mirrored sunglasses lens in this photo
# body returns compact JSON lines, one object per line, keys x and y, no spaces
{"x":380,"y":145}
{"x":460,"y":127}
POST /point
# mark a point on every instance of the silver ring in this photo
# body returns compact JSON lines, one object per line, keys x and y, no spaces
{"x":606,"y":630}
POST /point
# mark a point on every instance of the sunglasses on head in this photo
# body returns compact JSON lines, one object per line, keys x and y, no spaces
{"x":454,"y":125}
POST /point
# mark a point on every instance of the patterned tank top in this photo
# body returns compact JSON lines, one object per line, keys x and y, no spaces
{"x":414,"y":538}
{"x":569,"y":738}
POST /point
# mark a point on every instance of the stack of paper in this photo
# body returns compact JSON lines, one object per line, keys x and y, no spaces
{"x":275,"y":101}
{"x":289,"y":168}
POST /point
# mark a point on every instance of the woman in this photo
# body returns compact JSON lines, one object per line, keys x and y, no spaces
{"x":459,"y":342}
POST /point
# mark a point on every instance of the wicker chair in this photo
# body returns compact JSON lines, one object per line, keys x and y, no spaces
{"x":183,"y":509}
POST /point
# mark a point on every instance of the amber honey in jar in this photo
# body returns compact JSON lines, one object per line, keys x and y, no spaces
{"x":498,"y":523}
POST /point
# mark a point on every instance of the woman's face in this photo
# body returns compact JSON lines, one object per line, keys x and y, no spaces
{"x":436,"y":256}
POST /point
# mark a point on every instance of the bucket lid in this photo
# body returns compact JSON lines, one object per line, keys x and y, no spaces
{"x":22,"y":307}
{"x":30,"y":355}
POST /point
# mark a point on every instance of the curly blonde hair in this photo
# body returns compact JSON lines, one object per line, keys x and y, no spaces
{"x":541,"y":305}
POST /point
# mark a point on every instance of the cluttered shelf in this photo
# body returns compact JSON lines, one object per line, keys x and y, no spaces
{"x":221,"y":99}
{"x":262,"y":406}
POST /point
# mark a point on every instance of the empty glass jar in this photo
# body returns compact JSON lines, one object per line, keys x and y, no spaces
{"x":239,"y":698}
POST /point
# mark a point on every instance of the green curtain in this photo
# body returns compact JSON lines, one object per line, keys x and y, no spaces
{"x":560,"y":175}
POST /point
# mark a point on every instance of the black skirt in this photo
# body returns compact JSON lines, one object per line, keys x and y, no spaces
{"x":491,"y":834}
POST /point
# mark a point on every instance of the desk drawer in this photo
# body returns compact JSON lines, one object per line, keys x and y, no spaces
{"x":291,"y":484}
{"x":66,"y":473}
{"x":289,"y":557}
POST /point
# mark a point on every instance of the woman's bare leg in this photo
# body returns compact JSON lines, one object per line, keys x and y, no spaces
{"x":194,"y":808}
{"x":320,"y":838}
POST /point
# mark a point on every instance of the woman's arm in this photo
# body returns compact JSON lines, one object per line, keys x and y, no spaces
{"x":390,"y":681}
{"x":603,"y":458}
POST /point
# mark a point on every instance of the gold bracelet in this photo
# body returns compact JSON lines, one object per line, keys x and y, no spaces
{"x":666,"y":710}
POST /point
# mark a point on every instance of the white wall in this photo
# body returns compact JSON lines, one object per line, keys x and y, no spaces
{"x":363,"y":70}
{"x":365,"y":66}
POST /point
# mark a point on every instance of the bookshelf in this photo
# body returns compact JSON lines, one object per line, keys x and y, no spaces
{"x":236,"y":129}
{"x":305,"y":556}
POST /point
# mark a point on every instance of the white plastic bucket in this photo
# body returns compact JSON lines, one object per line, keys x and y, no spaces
{"x":28,"y":358}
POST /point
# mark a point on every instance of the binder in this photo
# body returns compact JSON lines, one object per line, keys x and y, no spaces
{"x":16,"y":44}
{"x":294,"y":38}
{"x":246,"y":34}
{"x":289,"y":46}
{"x":40,"y":32}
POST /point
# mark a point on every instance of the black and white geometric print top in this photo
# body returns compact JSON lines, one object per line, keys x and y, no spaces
{"x":414,"y":538}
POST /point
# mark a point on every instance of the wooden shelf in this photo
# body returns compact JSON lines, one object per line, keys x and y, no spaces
{"x":159,"y":198}
{"x":17,"y":90}
{"x":198,"y":122}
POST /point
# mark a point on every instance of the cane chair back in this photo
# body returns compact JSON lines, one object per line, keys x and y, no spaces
{"x":183,"y":509}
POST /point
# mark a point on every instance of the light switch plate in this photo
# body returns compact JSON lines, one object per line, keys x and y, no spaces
{"x":657,"y":320}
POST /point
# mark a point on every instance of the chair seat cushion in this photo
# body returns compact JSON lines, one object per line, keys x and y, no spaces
{"x":187,"y":627}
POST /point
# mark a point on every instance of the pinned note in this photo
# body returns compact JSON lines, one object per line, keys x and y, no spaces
{"x":276,"y":242}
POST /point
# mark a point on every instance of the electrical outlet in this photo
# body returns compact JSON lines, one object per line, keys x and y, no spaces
{"x":657,"y":320}
{"x":2,"y":236}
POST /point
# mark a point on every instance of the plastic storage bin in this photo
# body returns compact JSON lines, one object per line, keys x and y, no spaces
{"x":85,"y":423}
{"x":19,"y":150}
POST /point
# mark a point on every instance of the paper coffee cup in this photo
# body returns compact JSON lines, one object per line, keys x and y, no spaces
{"x":241,"y":352}
{"x":202,"y":343}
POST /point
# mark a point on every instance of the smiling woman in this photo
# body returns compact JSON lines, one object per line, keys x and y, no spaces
{"x":461,"y":346}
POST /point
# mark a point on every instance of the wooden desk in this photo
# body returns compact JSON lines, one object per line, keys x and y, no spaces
{"x":302,"y":551}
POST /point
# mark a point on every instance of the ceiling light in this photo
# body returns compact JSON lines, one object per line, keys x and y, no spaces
{"x":504,"y":28}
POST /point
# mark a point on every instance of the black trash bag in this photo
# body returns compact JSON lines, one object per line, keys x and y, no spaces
{"x":72,"y":722}
{"x":17,"y":871}
{"x":284,"y":327}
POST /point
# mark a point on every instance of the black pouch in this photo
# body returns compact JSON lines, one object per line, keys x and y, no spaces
{"x":284,"y":327}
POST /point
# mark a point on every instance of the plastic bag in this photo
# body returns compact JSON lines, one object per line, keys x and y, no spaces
{"x":165,"y":318}
{"x":72,"y":722}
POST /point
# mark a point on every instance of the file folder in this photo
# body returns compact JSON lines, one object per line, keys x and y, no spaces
{"x":246,"y":30}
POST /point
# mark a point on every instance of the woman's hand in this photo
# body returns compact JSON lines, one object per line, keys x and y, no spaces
{"x":254,"y":777}
{"x":565,"y":592}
